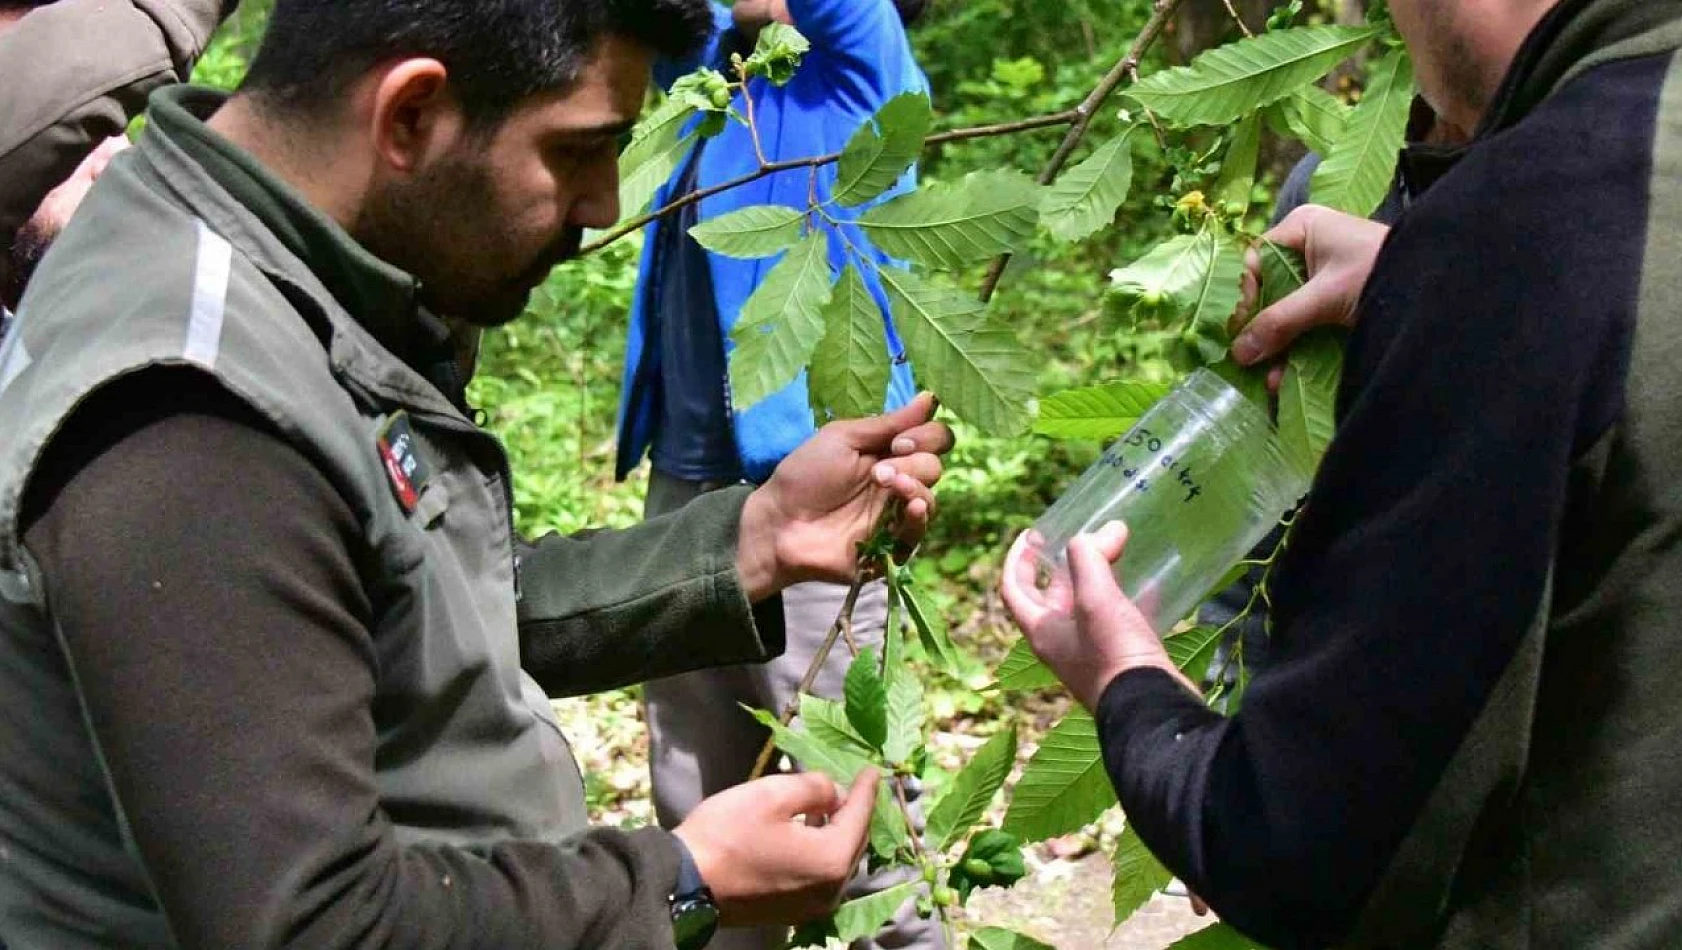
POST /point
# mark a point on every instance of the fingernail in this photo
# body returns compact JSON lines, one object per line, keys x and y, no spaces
{"x":1246,"y":349}
{"x":884,"y":473}
{"x":904,"y":446}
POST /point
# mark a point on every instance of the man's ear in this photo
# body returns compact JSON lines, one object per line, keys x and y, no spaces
{"x":415,"y":116}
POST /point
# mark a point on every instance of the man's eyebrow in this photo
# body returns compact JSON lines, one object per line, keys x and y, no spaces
{"x":606,"y":129}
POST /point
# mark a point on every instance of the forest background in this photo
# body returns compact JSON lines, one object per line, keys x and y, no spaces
{"x":549,"y":386}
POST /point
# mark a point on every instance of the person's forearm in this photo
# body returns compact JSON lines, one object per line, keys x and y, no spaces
{"x":75,"y":73}
{"x":606,"y":609}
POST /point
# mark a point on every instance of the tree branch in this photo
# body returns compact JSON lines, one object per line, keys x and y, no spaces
{"x":771,"y":168}
{"x":1237,"y":19}
{"x":843,"y":622}
{"x":1127,"y":68}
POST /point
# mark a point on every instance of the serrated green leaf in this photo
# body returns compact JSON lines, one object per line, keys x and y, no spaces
{"x":1021,"y":670}
{"x":781,"y":324}
{"x":1308,"y":396}
{"x":905,"y":715}
{"x":1139,"y":876}
{"x":998,"y":938}
{"x":971,"y":791}
{"x":1168,"y":270}
{"x":843,"y":764}
{"x":1251,"y":381}
{"x":752,"y":232}
{"x":883,"y":149}
{"x":1193,"y":650}
{"x":1360,"y":169}
{"x":1214,"y":297}
{"x":850,"y":367}
{"x":864,"y":916}
{"x":1314,"y":116}
{"x":1097,"y":412}
{"x":777,"y":53}
{"x":1084,"y":200}
{"x":986,"y":214}
{"x":1215,"y":937}
{"x":974,"y":364}
{"x":1233,"y":80}
{"x":1238,"y":170}
{"x":826,"y":721}
{"x":1283,"y":272}
{"x":867,"y":699}
{"x":931,"y":630}
{"x":658,"y":146}
{"x":1064,"y":788}
{"x":814,"y":933}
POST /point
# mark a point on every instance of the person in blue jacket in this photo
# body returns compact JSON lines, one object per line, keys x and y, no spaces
{"x":676,"y":407}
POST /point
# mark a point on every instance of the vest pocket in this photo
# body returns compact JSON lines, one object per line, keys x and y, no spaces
{"x":433,"y":502}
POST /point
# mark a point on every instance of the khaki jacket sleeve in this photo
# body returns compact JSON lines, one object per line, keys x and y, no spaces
{"x":605,"y":609}
{"x":74,"y":73}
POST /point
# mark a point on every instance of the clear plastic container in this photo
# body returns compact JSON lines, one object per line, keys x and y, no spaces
{"x":1200,"y":481}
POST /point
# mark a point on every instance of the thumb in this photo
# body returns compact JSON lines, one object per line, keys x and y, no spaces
{"x":876,"y":434}
{"x":1273,"y":330}
{"x":1090,"y":569}
{"x":852,"y":819}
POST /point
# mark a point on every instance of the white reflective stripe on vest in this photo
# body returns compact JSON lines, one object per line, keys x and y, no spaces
{"x":210,"y":296}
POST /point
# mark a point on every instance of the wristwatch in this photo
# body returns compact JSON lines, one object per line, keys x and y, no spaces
{"x":694,"y":912}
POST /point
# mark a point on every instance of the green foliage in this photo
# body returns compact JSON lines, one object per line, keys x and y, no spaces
{"x":776,"y":54}
{"x":1283,"y":272}
{"x":1233,"y":189}
{"x":1358,"y":171}
{"x":752,"y":232}
{"x":1139,"y":876}
{"x":864,"y":916}
{"x":1228,"y":83}
{"x":998,"y":938}
{"x":987,"y":214}
{"x":1064,"y":788}
{"x":867,"y":699}
{"x":850,"y":372}
{"x":781,"y":323}
{"x":1193,"y":650}
{"x":1022,"y":670}
{"x":658,"y":145}
{"x":966,"y":800}
{"x":993,"y":859}
{"x":1215,"y":937}
{"x":1308,"y":396}
{"x":1313,"y":115}
{"x":1086,"y":198}
{"x":883,"y":149}
{"x":975,"y":365}
{"x":1097,"y":412}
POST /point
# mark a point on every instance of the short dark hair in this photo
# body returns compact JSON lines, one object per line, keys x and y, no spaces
{"x":910,"y":11}
{"x":498,"y":52}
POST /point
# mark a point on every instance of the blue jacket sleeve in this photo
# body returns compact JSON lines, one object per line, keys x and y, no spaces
{"x":862,"y":39}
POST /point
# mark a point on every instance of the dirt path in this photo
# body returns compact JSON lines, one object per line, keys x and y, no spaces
{"x":1067,"y":905}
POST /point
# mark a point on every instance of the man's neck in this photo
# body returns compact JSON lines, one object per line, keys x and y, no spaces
{"x":324,"y":181}
{"x":9,"y":16}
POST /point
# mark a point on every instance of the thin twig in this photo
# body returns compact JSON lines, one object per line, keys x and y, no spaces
{"x":1087,"y":110}
{"x":1237,"y":19}
{"x":917,"y":848}
{"x":771,"y":168}
{"x":753,"y":126}
{"x":842,"y":620}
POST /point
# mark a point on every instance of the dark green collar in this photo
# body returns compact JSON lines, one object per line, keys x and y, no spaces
{"x":1573,"y":33}
{"x":383,"y":298}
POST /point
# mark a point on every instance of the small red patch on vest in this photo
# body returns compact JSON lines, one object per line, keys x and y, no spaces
{"x":403,"y":464}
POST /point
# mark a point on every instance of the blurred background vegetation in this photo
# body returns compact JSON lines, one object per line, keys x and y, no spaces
{"x":549,"y":382}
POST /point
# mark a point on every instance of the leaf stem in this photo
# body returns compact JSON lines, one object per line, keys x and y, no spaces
{"x":1238,"y":19}
{"x":843,"y":621}
{"x":753,"y":126}
{"x":767,"y":169}
{"x":1086,"y":111}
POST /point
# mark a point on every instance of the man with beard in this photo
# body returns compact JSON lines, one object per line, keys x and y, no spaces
{"x":1465,"y":734}
{"x":272,"y":662}
{"x":677,"y":407}
{"x":75,"y":72}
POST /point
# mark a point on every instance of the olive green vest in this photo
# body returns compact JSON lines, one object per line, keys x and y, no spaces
{"x":464,"y":736}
